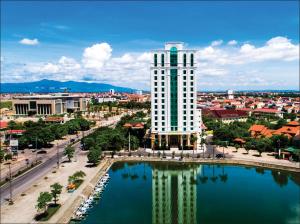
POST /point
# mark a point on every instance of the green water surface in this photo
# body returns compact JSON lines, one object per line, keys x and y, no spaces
{"x":160,"y":193}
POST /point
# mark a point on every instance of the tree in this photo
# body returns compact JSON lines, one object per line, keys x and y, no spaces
{"x":43,"y":200}
{"x":236,"y":146}
{"x":248,"y":147}
{"x":1,"y":155}
{"x":69,"y":152}
{"x":93,"y":155}
{"x":56,"y":191}
{"x":8,"y":156}
{"x":79,"y":175}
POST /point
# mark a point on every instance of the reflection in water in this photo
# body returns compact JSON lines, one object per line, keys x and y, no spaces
{"x":174,"y":195}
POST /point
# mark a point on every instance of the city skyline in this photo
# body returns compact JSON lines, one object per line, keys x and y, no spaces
{"x":99,"y":42}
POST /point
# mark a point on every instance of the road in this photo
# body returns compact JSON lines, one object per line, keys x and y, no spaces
{"x":23,"y":182}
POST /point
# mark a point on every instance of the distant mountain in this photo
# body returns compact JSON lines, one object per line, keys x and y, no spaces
{"x":51,"y":86}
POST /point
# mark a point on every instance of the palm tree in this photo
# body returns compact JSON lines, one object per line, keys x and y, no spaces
{"x":223,"y":176}
{"x":193,"y":140}
{"x":213,"y":178}
{"x":203,"y":178}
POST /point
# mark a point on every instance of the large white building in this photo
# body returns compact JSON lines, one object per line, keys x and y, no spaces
{"x":175,"y":118}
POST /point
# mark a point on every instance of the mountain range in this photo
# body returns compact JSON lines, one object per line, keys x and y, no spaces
{"x":51,"y":86}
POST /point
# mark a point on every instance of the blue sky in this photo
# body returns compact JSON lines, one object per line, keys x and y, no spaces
{"x":66,"y":40}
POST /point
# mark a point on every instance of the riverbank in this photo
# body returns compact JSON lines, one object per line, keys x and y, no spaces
{"x":70,"y":202}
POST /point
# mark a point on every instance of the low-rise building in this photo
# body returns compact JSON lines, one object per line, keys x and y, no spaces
{"x":48,"y":104}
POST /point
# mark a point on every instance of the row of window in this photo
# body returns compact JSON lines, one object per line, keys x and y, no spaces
{"x":163,"y":123}
{"x":174,"y":129}
{"x":163,"y":89}
{"x":163,"y":72}
{"x":163,"y":106}
{"x":184,"y":78}
{"x":173,"y":59}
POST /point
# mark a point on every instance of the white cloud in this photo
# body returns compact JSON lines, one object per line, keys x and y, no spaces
{"x":216,"y":43}
{"x":96,"y":56}
{"x":229,"y":66}
{"x":27,"y":41}
{"x":232,"y":42}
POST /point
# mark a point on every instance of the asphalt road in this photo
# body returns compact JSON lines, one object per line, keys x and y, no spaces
{"x":26,"y":180}
{"x":23,"y":182}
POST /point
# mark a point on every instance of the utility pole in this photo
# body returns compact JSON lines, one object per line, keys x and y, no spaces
{"x":57,"y":155}
{"x":10,"y":187}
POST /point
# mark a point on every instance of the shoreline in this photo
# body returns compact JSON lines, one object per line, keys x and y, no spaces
{"x":107,"y":162}
{"x":237,"y":162}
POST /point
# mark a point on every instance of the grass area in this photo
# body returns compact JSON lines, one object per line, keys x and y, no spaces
{"x":6,"y":104}
{"x":52,"y":209}
{"x":78,"y":183}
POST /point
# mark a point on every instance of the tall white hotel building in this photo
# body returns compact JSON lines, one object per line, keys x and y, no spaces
{"x":175,"y":118}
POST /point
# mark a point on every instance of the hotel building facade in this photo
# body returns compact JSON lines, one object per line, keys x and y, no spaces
{"x":174,"y":114}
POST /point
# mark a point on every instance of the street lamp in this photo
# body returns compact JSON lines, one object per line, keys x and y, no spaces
{"x":10,"y":186}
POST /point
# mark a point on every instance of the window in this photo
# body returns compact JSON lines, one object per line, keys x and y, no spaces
{"x":155,"y":101}
{"x":192,"y":118}
{"x":162,"y":89}
{"x":192,"y":95}
{"x":163,"y":129}
{"x":184,"y":107}
{"x":192,"y":106}
{"x":155,"y":118}
{"x":192,"y":101}
{"x":192,"y":83}
{"x":184,"y":100}
{"x":162,"y":101}
{"x":192,"y":59}
{"x":155,"y":95}
{"x":163,"y":84}
{"x":184,"y":124}
{"x":184,"y":118}
{"x":155,"y":77}
{"x":155,"y":83}
{"x":173,"y":56}
{"x":162,"y":95}
{"x":155,"y":106}
{"x":184,"y":89}
{"x":192,"y":123}
{"x":184,"y":60}
{"x":192,"y":77}
{"x":184,"y":71}
{"x":184,"y":129}
{"x":155,"y":112}
{"x":155,"y":123}
{"x":192,"y":89}
{"x":162,"y":78}
{"x":184,"y":77}
{"x":163,"y":112}
{"x":162,"y":71}
{"x":184,"y":95}
{"x":155,"y":89}
{"x":163,"y":124}
{"x":163,"y":118}
{"x":184,"y":112}
{"x":192,"y":71}
{"x":155,"y":60}
{"x":155,"y":72}
{"x":162,"y":60}
{"x":184,"y":83}
{"x":192,"y":112}
{"x":162,"y":106}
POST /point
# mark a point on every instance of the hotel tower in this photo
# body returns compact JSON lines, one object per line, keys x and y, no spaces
{"x":175,"y":118}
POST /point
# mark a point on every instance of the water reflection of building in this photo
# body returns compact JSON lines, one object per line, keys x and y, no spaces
{"x":174,"y":195}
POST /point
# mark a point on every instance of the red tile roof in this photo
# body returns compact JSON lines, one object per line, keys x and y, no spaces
{"x":229,"y":113}
{"x":3,"y":124}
